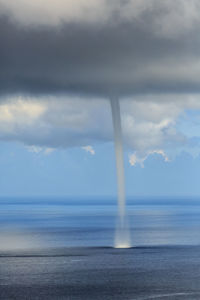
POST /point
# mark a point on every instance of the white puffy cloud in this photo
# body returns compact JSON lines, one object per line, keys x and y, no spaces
{"x":137,"y":159}
{"x":21,"y":111}
{"x":149,"y":125}
{"x":49,"y":123}
{"x":38,"y":150}
{"x":89,"y":149}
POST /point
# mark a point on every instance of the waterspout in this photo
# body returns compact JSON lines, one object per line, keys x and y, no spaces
{"x":122,"y":235}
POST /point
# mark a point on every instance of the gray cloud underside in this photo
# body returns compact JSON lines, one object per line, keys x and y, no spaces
{"x":148,"y":50}
{"x":125,"y":57}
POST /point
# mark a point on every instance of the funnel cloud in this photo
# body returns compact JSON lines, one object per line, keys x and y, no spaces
{"x":122,"y":231}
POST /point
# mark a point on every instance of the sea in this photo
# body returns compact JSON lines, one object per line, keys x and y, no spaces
{"x":82,"y":222}
{"x":62,"y":249}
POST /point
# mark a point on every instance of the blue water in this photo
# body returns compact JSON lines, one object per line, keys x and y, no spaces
{"x":51,"y":222}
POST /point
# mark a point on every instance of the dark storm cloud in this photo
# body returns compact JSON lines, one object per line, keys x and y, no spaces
{"x":119,"y":56}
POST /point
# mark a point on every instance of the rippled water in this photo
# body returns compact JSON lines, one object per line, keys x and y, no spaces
{"x":29,"y":223}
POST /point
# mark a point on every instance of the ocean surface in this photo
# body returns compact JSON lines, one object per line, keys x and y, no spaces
{"x":58,"y":222}
{"x":62,"y":249}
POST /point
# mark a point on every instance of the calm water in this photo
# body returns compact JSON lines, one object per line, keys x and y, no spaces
{"x":46,"y":264}
{"x":32,"y":223}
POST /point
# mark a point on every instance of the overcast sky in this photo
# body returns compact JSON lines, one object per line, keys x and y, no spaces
{"x":60,"y":62}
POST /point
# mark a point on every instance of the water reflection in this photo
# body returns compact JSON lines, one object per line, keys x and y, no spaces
{"x":30,"y":223}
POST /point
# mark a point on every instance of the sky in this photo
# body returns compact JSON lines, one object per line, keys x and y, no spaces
{"x":60,"y":63}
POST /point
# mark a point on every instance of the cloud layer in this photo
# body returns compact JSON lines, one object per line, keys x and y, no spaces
{"x":60,"y":60}
{"x":149,"y":125}
{"x":99,"y":47}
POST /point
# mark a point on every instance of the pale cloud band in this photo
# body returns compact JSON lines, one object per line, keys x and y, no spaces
{"x":149,"y":125}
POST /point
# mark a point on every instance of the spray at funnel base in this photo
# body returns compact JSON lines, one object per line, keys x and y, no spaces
{"x":122,"y":235}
